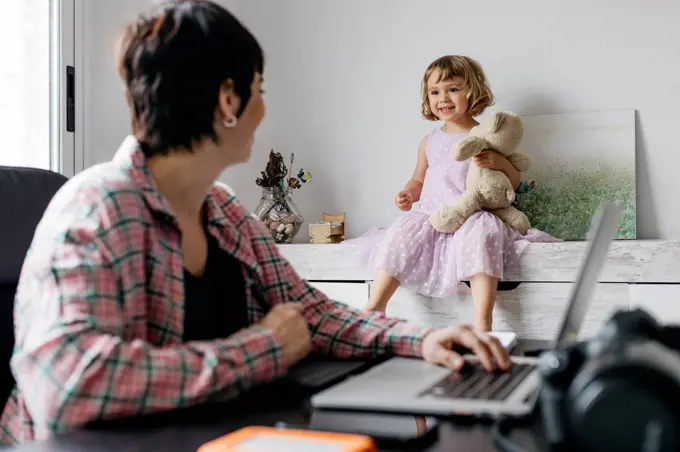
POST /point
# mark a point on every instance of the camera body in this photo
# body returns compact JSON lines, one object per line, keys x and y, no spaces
{"x":618,"y":391}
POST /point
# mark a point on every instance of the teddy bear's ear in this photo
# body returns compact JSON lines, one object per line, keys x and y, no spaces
{"x":498,"y":121}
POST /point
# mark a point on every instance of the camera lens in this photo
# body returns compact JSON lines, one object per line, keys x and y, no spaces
{"x":613,"y":414}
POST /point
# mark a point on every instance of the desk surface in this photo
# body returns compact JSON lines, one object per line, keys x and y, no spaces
{"x":188,"y":429}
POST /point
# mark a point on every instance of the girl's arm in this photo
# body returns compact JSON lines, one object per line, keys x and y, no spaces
{"x":415,"y":185}
{"x":494,"y":160}
{"x":511,"y":172}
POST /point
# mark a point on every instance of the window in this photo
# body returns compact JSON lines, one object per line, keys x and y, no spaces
{"x":37,"y":46}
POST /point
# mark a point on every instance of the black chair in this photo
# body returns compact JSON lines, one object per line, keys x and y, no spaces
{"x":24,"y":195}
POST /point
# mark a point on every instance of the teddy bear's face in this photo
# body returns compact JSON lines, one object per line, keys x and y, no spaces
{"x":503,"y":131}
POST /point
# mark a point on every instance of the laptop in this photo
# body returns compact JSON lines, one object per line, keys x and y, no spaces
{"x":407,"y":385}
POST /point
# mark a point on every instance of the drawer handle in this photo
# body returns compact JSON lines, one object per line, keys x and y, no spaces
{"x":503,"y":286}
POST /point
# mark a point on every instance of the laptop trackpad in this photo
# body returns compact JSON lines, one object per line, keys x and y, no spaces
{"x":397,"y":375}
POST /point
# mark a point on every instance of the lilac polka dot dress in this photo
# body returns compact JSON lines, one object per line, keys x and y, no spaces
{"x":434,"y":263}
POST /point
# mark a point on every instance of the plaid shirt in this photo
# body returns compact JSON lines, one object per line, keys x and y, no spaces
{"x":100,"y":303}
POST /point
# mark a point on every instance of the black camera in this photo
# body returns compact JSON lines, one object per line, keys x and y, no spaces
{"x":619,"y":391}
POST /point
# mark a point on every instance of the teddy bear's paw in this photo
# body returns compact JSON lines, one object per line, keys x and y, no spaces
{"x":442,"y":222}
{"x":523,"y":229}
{"x":521,"y":224}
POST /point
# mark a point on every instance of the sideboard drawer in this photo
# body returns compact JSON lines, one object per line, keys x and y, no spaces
{"x":532,"y":310}
{"x":354,"y":294}
{"x":662,"y":301}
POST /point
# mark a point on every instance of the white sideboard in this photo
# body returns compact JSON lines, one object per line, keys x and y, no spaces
{"x":637,"y":273}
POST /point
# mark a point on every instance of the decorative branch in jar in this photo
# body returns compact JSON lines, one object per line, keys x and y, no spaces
{"x":277,"y":208}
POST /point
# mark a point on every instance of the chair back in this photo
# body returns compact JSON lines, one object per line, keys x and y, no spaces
{"x":24,"y":196}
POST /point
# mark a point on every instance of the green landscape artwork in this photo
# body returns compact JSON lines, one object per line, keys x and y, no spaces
{"x":579,"y":159}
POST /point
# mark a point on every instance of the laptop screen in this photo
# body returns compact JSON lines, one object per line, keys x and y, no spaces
{"x":603,"y":229}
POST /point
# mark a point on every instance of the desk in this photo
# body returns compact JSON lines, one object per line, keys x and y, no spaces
{"x":186,"y":430}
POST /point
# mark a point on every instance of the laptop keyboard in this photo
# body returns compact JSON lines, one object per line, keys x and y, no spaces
{"x":473,"y":382}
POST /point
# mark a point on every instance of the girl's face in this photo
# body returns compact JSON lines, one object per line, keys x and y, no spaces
{"x":447,"y":97}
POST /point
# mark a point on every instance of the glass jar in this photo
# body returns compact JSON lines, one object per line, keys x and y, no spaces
{"x":278,"y":211}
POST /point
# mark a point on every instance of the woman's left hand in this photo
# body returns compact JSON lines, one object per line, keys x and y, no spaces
{"x":491,"y":160}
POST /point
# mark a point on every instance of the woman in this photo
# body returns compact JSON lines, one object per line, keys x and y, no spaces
{"x":148,"y":287}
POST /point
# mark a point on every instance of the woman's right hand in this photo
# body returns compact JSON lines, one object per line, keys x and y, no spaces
{"x":404,"y":200}
{"x":285,"y":320}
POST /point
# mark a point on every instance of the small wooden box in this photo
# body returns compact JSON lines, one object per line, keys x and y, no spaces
{"x":330,"y":230}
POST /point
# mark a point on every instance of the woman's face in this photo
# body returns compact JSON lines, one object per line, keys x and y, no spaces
{"x":237,"y":141}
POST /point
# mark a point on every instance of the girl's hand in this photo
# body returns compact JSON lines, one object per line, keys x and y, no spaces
{"x":404,"y":200}
{"x":491,"y":160}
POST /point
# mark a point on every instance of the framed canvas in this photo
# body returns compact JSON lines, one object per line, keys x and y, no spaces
{"x":578,"y":160}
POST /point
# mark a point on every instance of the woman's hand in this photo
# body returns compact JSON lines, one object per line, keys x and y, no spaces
{"x":491,"y":160}
{"x":437,"y":348}
{"x":285,"y":320}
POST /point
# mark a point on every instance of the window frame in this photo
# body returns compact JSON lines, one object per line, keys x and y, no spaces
{"x":66,"y":147}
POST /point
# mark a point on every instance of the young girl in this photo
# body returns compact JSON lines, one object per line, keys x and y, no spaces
{"x":411,"y":251}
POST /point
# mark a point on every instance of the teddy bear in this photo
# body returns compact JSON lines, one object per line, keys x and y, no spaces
{"x":488,"y":189}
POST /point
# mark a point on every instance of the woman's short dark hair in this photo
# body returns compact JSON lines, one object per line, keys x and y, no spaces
{"x":174,"y":62}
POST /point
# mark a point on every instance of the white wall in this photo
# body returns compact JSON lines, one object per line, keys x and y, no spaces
{"x":106,"y":115}
{"x":343,"y":77}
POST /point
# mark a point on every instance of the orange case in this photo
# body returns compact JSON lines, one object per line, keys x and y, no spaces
{"x":348,"y":442}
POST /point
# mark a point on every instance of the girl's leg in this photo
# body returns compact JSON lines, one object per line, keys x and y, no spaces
{"x":484,"y":288}
{"x":382,"y":290}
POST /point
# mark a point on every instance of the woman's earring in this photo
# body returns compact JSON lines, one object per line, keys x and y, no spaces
{"x":230,"y":122}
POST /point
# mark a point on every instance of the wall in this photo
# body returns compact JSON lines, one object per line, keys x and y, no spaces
{"x":104,"y":109}
{"x":342,"y":82}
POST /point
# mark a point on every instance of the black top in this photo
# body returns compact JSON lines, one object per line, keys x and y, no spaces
{"x":215,"y":303}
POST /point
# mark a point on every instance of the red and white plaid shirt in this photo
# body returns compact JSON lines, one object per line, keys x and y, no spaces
{"x":99,"y":308}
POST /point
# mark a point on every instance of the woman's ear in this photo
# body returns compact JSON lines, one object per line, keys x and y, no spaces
{"x":228,"y":102}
